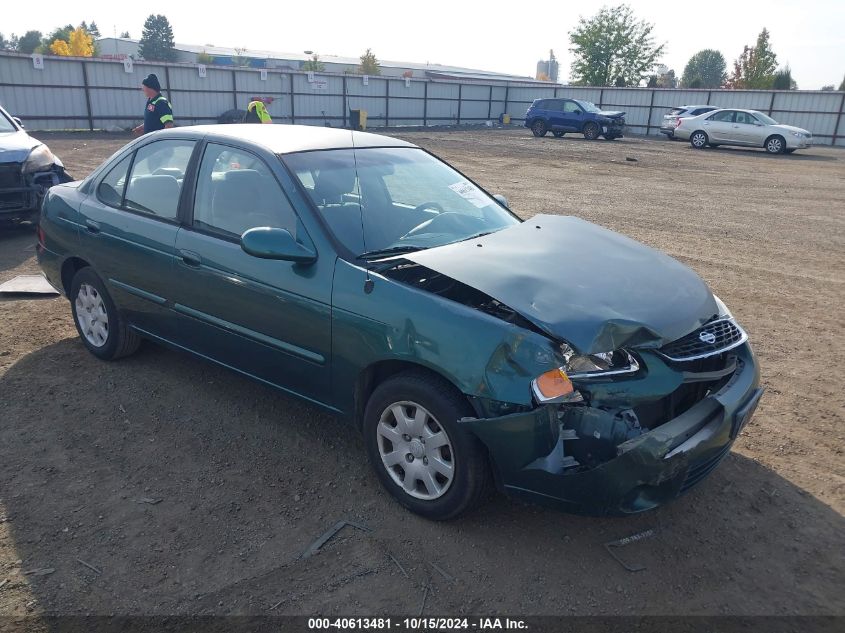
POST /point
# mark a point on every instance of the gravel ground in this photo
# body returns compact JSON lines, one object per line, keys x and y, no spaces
{"x":191,"y":490}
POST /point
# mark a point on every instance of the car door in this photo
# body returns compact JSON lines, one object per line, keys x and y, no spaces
{"x":719,"y":126}
{"x":748,"y":129}
{"x":554,"y":108}
{"x":130,"y":221}
{"x":573,"y":116}
{"x":268,"y":318}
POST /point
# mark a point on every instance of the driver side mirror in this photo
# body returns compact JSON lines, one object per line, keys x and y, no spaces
{"x":271,"y":243}
{"x":18,"y":121}
{"x":501,"y":200}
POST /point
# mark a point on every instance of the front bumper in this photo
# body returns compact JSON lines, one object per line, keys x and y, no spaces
{"x":527,"y":450}
{"x":794,"y":142}
{"x":22,"y":200}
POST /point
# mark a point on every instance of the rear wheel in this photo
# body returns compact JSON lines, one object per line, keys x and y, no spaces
{"x":591,"y":131}
{"x":100,"y":326}
{"x":775,"y":145}
{"x":698,"y":140}
{"x":558,"y":134}
{"x":539,"y":127}
{"x":420,"y":453}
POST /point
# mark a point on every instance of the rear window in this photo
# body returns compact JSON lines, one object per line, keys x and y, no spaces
{"x":698,"y":111}
{"x":677,"y":111}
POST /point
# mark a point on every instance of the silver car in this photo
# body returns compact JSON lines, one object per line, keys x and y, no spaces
{"x":671,"y":118}
{"x":748,"y":128}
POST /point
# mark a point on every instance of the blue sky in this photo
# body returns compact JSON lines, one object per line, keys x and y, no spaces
{"x":507,"y":37}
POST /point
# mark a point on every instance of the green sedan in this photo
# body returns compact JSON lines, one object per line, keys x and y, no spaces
{"x":554,"y":359}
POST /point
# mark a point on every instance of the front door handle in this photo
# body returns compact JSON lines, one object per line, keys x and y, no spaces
{"x":92,"y":227}
{"x":190,"y":258}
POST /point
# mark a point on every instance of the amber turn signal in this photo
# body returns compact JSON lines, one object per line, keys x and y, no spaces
{"x":553,"y":385}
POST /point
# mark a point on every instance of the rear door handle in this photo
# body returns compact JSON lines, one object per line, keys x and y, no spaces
{"x":190,"y":258}
{"x":92,"y":227}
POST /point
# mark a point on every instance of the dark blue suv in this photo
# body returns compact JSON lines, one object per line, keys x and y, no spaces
{"x":560,"y":116}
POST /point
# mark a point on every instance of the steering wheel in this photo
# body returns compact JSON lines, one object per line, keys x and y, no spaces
{"x":419,"y":228}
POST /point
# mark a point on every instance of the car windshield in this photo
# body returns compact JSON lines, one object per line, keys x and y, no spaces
{"x":6,"y":125}
{"x":378,"y":201}
{"x":765,"y":119}
{"x":587,"y":106}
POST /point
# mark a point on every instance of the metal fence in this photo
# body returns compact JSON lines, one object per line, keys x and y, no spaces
{"x":90,"y":93}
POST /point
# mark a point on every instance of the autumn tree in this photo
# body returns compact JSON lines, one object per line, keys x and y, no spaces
{"x":755,"y":67}
{"x":613,"y":48}
{"x":157,"y":40}
{"x":369,"y":64}
{"x":705,"y":69}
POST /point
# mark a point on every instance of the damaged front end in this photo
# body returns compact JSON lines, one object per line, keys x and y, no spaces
{"x":23,"y":184}
{"x":629,"y":443}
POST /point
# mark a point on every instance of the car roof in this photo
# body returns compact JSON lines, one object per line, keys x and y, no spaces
{"x":690,"y":107}
{"x":285,"y":139}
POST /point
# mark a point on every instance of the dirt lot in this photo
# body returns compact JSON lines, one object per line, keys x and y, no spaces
{"x":247,"y":478}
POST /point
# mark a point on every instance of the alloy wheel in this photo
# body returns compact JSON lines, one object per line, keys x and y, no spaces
{"x":774,"y":145}
{"x":92,"y":316}
{"x":699,"y":139}
{"x":415,"y":450}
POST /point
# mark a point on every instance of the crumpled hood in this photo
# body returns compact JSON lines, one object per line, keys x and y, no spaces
{"x":16,"y":146}
{"x":611,"y":114}
{"x":577,"y":281}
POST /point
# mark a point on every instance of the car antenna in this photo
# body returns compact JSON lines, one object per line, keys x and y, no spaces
{"x":368,"y":282}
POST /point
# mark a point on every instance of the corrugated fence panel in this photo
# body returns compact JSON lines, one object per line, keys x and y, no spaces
{"x":55,"y":97}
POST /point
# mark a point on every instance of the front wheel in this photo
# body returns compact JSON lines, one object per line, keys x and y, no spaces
{"x":775,"y":145}
{"x":591,"y":131}
{"x":420,"y":453}
{"x":698,"y":140}
{"x":100,"y":326}
{"x":539,"y":127}
{"x":558,"y":134}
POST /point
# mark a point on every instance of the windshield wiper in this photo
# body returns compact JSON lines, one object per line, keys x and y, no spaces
{"x":386,"y":252}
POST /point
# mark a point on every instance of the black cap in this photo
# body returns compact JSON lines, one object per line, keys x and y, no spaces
{"x":151,"y":81}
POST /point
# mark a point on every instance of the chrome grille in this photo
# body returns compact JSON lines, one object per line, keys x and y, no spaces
{"x":712,"y":338}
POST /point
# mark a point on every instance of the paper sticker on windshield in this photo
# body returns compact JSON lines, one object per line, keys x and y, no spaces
{"x":471,"y":193}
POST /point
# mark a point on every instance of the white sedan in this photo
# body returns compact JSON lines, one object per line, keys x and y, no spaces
{"x":748,"y":128}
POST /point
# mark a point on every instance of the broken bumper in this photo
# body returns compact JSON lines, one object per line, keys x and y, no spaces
{"x":527,"y":450}
{"x":22,"y":201}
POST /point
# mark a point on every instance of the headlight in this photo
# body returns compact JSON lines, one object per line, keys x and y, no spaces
{"x":723,"y":309}
{"x":555,"y":386}
{"x":798,"y":134}
{"x":39,"y":159}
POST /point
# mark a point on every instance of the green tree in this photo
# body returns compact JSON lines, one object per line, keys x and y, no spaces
{"x":4,"y":43}
{"x":782,"y":79}
{"x":705,"y":69}
{"x":157,"y":40}
{"x":755,"y":67}
{"x":29,"y":41}
{"x":613,"y":48}
{"x":314,"y":64}
{"x":369,"y":64}
{"x":828,"y":88}
{"x":842,"y":85}
{"x":125,"y":35}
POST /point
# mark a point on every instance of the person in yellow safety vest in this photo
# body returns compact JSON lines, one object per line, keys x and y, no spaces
{"x":158,"y":114}
{"x":256,"y":112}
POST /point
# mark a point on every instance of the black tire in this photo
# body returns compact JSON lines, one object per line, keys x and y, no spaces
{"x":471,"y":475}
{"x":539,"y":128}
{"x":119,"y":340}
{"x":775,"y":144}
{"x":591,"y":131}
{"x":558,"y":134}
{"x":698,"y":139}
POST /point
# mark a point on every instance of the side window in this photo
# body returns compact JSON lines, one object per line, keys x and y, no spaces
{"x":725,"y":116}
{"x":111,"y":188}
{"x":744,"y":117}
{"x":157,"y":174}
{"x":236,"y":191}
{"x":571,"y":106}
